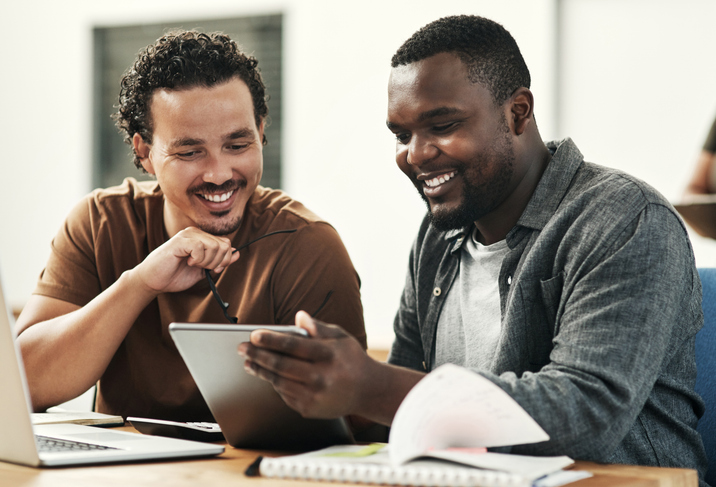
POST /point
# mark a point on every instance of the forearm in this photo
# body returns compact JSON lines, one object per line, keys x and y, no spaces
{"x":384,"y":390}
{"x":66,"y":355}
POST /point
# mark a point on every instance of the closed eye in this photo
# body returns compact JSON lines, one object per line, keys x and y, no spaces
{"x":402,"y":138}
{"x":444,"y":127}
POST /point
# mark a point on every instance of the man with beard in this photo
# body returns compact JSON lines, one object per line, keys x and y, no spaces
{"x":131,"y":259}
{"x":569,"y":285}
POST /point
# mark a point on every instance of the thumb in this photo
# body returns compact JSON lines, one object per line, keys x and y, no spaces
{"x":316,"y":328}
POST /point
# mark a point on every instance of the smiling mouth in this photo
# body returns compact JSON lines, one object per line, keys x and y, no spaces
{"x":438,"y":180}
{"x":217,"y":198}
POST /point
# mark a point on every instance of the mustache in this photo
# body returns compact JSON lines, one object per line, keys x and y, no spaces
{"x":230,"y":185}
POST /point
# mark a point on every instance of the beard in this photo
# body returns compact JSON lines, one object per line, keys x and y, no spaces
{"x":221,"y":226}
{"x":485,"y":180}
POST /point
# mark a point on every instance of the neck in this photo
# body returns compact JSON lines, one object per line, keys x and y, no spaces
{"x":495,"y":226}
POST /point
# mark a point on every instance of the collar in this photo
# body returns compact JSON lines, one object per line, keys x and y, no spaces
{"x":458,"y":237}
{"x":552,"y":188}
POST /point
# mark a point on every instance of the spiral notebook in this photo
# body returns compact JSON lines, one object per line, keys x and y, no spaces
{"x":371,"y":465}
{"x":440,"y":437}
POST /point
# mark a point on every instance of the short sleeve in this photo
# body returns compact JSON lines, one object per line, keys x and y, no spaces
{"x":71,"y":272}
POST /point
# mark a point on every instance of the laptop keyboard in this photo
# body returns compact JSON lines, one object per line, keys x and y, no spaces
{"x":46,"y":444}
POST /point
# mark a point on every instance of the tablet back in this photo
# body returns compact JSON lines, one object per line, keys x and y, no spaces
{"x":250,"y":412}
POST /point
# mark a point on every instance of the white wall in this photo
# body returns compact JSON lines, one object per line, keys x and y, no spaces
{"x":639,"y":89}
{"x":622,"y":99}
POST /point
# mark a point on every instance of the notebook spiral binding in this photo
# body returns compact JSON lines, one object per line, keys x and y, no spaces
{"x":414,"y":475}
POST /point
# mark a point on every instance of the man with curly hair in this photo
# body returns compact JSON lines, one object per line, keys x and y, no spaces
{"x":131,"y":259}
{"x":569,"y":285}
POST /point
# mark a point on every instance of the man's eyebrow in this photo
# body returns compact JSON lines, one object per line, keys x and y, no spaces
{"x":438,"y":112}
{"x":245,"y":133}
{"x":188,"y":141}
{"x":435,"y":112}
{"x":185,"y":141}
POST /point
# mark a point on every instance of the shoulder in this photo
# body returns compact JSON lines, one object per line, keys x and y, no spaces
{"x":271,"y":209}
{"x":612,"y":198}
{"x":608,"y":183}
{"x":130,"y":197}
{"x":608,"y":214}
{"x":267,"y":202}
{"x":130,"y":194}
{"x":130,"y":201}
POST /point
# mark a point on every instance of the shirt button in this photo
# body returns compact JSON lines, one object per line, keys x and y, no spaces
{"x":437,"y":291}
{"x":509,"y":280}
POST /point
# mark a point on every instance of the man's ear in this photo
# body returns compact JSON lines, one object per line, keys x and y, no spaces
{"x":142,"y":149}
{"x":521,"y":108}
{"x":262,"y":137}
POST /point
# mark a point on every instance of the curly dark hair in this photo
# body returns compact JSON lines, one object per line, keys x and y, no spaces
{"x":183,"y":59}
{"x":487,"y":49}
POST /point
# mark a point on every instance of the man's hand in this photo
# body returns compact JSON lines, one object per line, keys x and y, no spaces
{"x":179,"y":263}
{"x":77,"y":343}
{"x":320,"y":377}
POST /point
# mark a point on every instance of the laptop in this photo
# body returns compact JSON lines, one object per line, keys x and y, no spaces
{"x":249,"y":411}
{"x":68,"y":444}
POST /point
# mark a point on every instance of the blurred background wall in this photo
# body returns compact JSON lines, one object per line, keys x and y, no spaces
{"x":629,"y":80}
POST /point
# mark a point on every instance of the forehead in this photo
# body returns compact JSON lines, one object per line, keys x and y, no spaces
{"x":438,"y":81}
{"x":200,"y":105}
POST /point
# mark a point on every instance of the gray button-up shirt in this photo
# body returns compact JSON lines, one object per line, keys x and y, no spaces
{"x":600,"y":304}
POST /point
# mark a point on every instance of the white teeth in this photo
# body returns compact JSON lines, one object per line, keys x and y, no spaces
{"x":443,"y":178}
{"x":217,"y":198}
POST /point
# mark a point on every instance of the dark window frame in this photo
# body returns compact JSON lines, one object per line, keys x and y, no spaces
{"x":115,"y":49}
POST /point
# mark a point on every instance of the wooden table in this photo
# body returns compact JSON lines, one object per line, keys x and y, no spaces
{"x":227,"y":470}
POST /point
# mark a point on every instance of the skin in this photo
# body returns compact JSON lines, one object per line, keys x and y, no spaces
{"x":702,"y":180}
{"x":205,"y":141}
{"x":444,"y":125}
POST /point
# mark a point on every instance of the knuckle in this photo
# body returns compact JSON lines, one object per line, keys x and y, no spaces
{"x":274,"y":362}
{"x":290,"y":343}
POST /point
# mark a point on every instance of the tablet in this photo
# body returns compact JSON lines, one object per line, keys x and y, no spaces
{"x":249,"y":411}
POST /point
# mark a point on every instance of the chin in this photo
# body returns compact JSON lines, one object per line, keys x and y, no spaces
{"x":221,"y":228}
{"x":456,"y":218}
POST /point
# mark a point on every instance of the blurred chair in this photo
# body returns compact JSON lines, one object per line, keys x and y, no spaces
{"x":706,"y":365}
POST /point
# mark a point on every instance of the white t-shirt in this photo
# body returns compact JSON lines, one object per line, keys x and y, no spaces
{"x":470,"y":322}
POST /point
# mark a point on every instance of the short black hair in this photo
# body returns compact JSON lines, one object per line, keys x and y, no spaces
{"x":183,"y":59}
{"x":487,"y":49}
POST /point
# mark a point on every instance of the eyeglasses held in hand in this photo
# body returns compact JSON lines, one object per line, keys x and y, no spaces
{"x":224,"y":305}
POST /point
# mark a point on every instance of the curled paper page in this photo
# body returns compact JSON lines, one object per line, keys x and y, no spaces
{"x":454,"y":407}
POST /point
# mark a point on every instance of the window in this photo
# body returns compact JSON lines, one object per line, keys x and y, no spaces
{"x":115,"y":49}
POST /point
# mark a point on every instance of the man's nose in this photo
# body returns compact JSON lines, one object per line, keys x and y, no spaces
{"x":217,"y":169}
{"x":421,"y":150}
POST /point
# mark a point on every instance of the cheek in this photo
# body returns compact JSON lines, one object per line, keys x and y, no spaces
{"x":459,"y":149}
{"x":251,"y":168}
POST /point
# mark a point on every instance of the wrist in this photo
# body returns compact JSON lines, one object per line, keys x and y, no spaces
{"x":383,"y":389}
{"x":131,"y":280}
